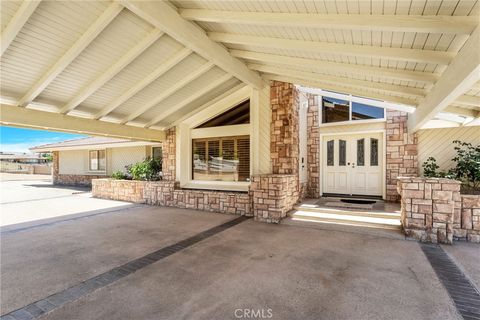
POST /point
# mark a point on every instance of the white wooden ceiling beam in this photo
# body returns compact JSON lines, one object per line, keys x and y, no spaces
{"x":155,"y":74}
{"x":30,"y":118}
{"x":114,"y":69}
{"x":229,"y":98}
{"x":468,"y":100}
{"x":317,"y":83}
{"x":16,"y":23}
{"x":360,"y":84}
{"x":462,"y":111}
{"x":458,"y":77}
{"x":398,"y":54}
{"x":167,"y":19}
{"x":386,"y":73}
{"x":87,"y":37}
{"x":392,"y":23}
{"x":168,"y":92}
{"x":191,"y":98}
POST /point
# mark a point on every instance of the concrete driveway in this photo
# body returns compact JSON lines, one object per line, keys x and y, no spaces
{"x":278,"y":271}
{"x":30,"y":199}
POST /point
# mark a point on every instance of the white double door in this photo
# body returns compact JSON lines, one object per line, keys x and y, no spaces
{"x":353,"y":164}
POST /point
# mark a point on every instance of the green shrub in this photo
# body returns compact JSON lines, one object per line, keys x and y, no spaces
{"x":466,"y":169}
{"x":119,"y":175}
{"x":148,"y":169}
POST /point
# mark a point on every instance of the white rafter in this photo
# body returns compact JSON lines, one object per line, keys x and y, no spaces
{"x":320,"y":65}
{"x":361,"y":84}
{"x":317,"y":83}
{"x":460,"y":75}
{"x":30,"y":118}
{"x":167,"y":19}
{"x":115,"y":68}
{"x":229,"y":97}
{"x":172,"y":109}
{"x":16,"y":23}
{"x":398,"y":54}
{"x":462,"y":111}
{"x":393,"y":23}
{"x":168,"y":92}
{"x":155,"y":74}
{"x":468,"y":100}
{"x":87,"y":37}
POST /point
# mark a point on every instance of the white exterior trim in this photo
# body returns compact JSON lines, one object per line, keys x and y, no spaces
{"x":224,"y":131}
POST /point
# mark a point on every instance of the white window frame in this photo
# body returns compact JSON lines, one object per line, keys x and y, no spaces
{"x":350,"y":100}
{"x":98,"y":160}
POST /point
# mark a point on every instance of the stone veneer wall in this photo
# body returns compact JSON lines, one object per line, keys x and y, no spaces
{"x":168,"y":155}
{"x":165,"y":193}
{"x":402,"y":159}
{"x":466,"y":218}
{"x":70,"y":179}
{"x":433,"y":210}
{"x":313,"y":145}
{"x":273,"y":196}
{"x":284,"y":148}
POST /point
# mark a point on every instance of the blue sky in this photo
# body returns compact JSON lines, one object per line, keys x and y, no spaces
{"x":19,"y":140}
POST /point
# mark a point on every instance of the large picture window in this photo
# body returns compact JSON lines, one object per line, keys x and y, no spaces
{"x":221,"y":159}
{"x":97,"y":160}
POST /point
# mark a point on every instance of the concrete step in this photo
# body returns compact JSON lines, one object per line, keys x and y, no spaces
{"x":346,"y":218}
{"x":386,"y":232}
{"x":372,"y":214}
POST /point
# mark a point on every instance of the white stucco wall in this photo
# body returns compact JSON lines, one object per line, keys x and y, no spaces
{"x":76,"y":161}
{"x":437,"y":143}
{"x":73,"y":162}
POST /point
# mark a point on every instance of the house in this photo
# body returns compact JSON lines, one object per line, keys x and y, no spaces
{"x":78,"y":161}
{"x":256,"y":105}
{"x":17,"y":162}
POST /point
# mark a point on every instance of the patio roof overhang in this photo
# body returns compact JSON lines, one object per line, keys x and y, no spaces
{"x":131,"y":69}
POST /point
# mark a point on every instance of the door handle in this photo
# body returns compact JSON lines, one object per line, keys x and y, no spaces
{"x":348,"y":163}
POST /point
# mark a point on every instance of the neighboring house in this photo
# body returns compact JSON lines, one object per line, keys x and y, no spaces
{"x":15,"y":162}
{"x":25,"y":158}
{"x":77,"y":162}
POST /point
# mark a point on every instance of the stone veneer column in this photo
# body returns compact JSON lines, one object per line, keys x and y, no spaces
{"x":402,"y":159}
{"x":284,"y":149}
{"x":55,"y":166}
{"x":313,"y":145}
{"x":168,"y":155}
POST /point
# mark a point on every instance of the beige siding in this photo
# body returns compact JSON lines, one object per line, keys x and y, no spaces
{"x":73,"y":162}
{"x":265,"y":116}
{"x":437,"y":143}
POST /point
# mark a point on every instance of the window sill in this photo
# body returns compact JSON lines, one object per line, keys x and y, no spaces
{"x":98,"y":173}
{"x":217,"y":185}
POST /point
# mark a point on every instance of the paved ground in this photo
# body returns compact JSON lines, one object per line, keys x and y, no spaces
{"x":467,"y":257}
{"x":31,"y":199}
{"x":296,"y":272}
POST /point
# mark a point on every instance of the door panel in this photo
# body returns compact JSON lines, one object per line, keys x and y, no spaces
{"x":353,"y":164}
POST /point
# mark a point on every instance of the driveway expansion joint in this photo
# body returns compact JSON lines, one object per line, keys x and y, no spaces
{"x":75,"y":292}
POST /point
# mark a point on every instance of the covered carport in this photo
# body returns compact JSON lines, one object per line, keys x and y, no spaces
{"x":141,"y":70}
{"x":131,"y":69}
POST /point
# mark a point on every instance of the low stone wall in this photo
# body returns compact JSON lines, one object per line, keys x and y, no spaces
{"x":433,"y":210}
{"x":273,"y":196}
{"x":466,"y":218}
{"x":74,"y":179}
{"x":165,"y":193}
{"x":122,"y":190}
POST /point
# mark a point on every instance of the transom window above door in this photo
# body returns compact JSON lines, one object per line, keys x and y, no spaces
{"x":338,"y":110}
